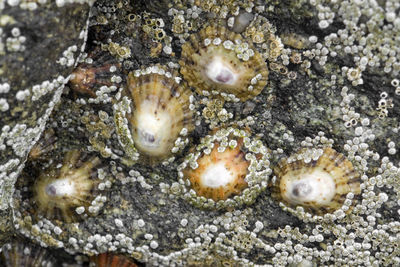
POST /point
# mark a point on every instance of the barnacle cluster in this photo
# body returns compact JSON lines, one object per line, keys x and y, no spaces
{"x":219,"y":133}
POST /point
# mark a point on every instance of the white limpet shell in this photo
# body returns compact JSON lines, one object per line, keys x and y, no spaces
{"x":320,"y":186}
{"x":217,"y":175}
{"x":152,"y":128}
{"x":316,"y":186}
{"x":220,"y":72}
{"x":158,"y":111}
{"x":61,"y":187}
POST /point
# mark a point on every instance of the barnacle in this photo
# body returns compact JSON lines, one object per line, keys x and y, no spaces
{"x":118,"y":50}
{"x":227,"y":169}
{"x":220,"y":61}
{"x":152,"y":115}
{"x":66,"y":191}
{"x":318,"y":185}
{"x":296,"y":58}
{"x":20,"y":254}
{"x":262,"y":33}
{"x":100,"y":128}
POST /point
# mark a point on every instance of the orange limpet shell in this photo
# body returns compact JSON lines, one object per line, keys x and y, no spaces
{"x":112,"y":260}
{"x":235,"y":164}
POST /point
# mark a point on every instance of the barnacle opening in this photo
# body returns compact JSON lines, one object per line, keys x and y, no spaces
{"x":220,"y":61}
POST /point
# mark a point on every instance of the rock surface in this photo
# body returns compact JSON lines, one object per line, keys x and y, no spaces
{"x":333,"y":82}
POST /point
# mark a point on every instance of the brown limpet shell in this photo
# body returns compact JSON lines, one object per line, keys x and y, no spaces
{"x":103,"y":70}
{"x":112,"y":260}
{"x":61,"y":188}
{"x":219,"y":60}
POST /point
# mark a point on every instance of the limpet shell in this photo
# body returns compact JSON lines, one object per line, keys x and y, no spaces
{"x":319,"y":186}
{"x":216,"y":59}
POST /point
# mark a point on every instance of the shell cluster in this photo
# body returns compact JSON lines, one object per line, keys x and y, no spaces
{"x":218,"y":61}
{"x":193,"y":145}
{"x":319,"y":185}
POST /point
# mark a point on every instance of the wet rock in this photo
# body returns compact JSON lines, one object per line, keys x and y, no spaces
{"x":39,"y":46}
